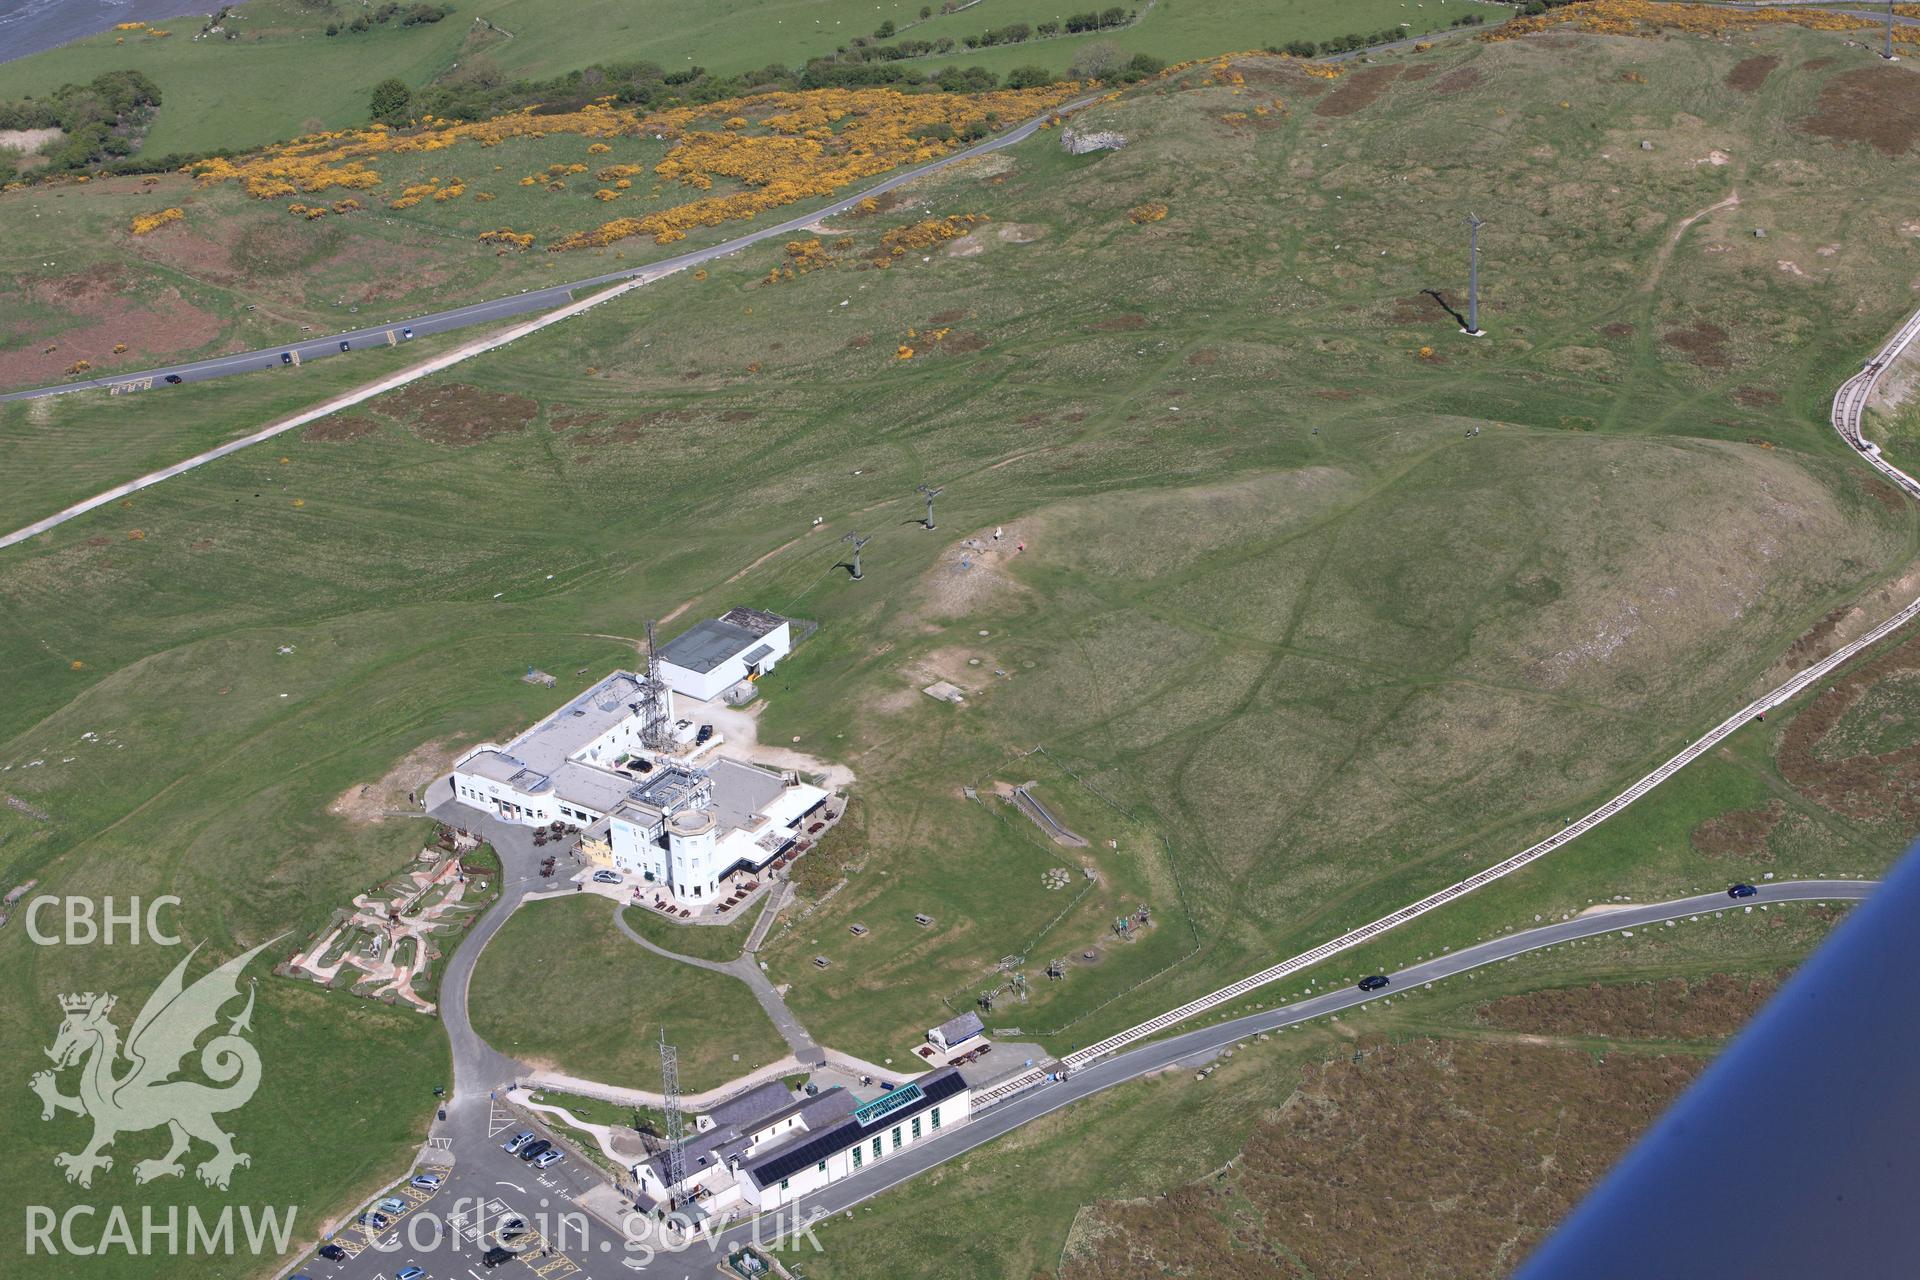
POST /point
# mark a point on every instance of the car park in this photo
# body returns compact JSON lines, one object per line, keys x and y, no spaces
{"x":1373,"y":982}
{"x":426,"y":1181}
{"x":547,"y":1159}
{"x":517,"y":1141}
{"x":332,"y":1253}
{"x":533,"y":1150}
{"x":1741,"y":891}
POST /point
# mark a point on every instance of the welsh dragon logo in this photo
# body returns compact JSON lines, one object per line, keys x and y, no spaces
{"x":146,"y":1095}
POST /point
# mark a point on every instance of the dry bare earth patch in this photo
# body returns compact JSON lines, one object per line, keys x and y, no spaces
{"x":1879,"y":106}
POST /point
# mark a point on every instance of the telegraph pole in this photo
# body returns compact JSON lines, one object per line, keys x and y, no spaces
{"x":931,"y":493}
{"x":1474,"y":223}
{"x":858,"y":541}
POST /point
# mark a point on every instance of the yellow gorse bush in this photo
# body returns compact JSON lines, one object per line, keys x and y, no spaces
{"x":814,"y":143}
{"x":1639,"y":17}
{"x":144,"y":223}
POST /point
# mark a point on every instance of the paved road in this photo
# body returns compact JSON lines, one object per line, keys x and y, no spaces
{"x":528,"y":300}
{"x":1849,"y":403}
{"x":747,"y":969}
{"x":483,"y":1180}
{"x":531,"y":300}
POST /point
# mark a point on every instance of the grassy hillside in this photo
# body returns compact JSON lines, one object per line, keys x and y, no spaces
{"x":1295,"y":641}
{"x":281,"y":75}
{"x":350,"y":228}
{"x":540,"y":993}
{"x":1310,"y":1152}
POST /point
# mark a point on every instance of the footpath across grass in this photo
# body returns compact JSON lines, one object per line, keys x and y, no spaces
{"x":560,"y":987}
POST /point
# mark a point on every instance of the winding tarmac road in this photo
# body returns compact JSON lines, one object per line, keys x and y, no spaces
{"x":485,"y":1182}
{"x":527,"y":300}
{"x":577,"y":1216}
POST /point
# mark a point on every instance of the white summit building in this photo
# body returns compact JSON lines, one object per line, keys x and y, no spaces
{"x":708,"y":658}
{"x":667,"y":814}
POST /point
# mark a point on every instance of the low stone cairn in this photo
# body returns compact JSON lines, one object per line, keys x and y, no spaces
{"x":1076,"y":143}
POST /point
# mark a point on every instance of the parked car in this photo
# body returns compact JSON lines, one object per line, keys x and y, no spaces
{"x":173,"y":379}
{"x":392,"y":1204}
{"x":378,"y":1221}
{"x":409,"y":1273}
{"x":604,"y":876}
{"x":332,"y":1253}
{"x":1741,"y":891}
{"x":517,"y":1141}
{"x":548,"y":1159}
{"x":426,"y":1181}
{"x":1373,"y":982}
{"x":705,"y":734}
{"x":533,"y":1149}
{"x":495,"y":1256}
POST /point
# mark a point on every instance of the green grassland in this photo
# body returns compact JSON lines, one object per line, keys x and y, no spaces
{"x":1023,"y":1206}
{"x":74,"y":446}
{"x":560,"y":987}
{"x":1291,"y":639}
{"x":282,"y":76}
{"x":703,"y":942}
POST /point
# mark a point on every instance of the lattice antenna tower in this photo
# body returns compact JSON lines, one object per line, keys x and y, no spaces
{"x":670,"y":1100}
{"x":654,"y":714}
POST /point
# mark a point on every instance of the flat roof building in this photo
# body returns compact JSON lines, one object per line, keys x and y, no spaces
{"x":710,"y":657}
{"x":682,"y":827}
{"x":764,"y":1148}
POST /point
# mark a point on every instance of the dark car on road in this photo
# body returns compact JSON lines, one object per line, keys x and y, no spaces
{"x":173,"y":379}
{"x":1373,"y":982}
{"x":1741,"y":891}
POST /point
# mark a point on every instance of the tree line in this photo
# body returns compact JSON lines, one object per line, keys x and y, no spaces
{"x":102,"y":120}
